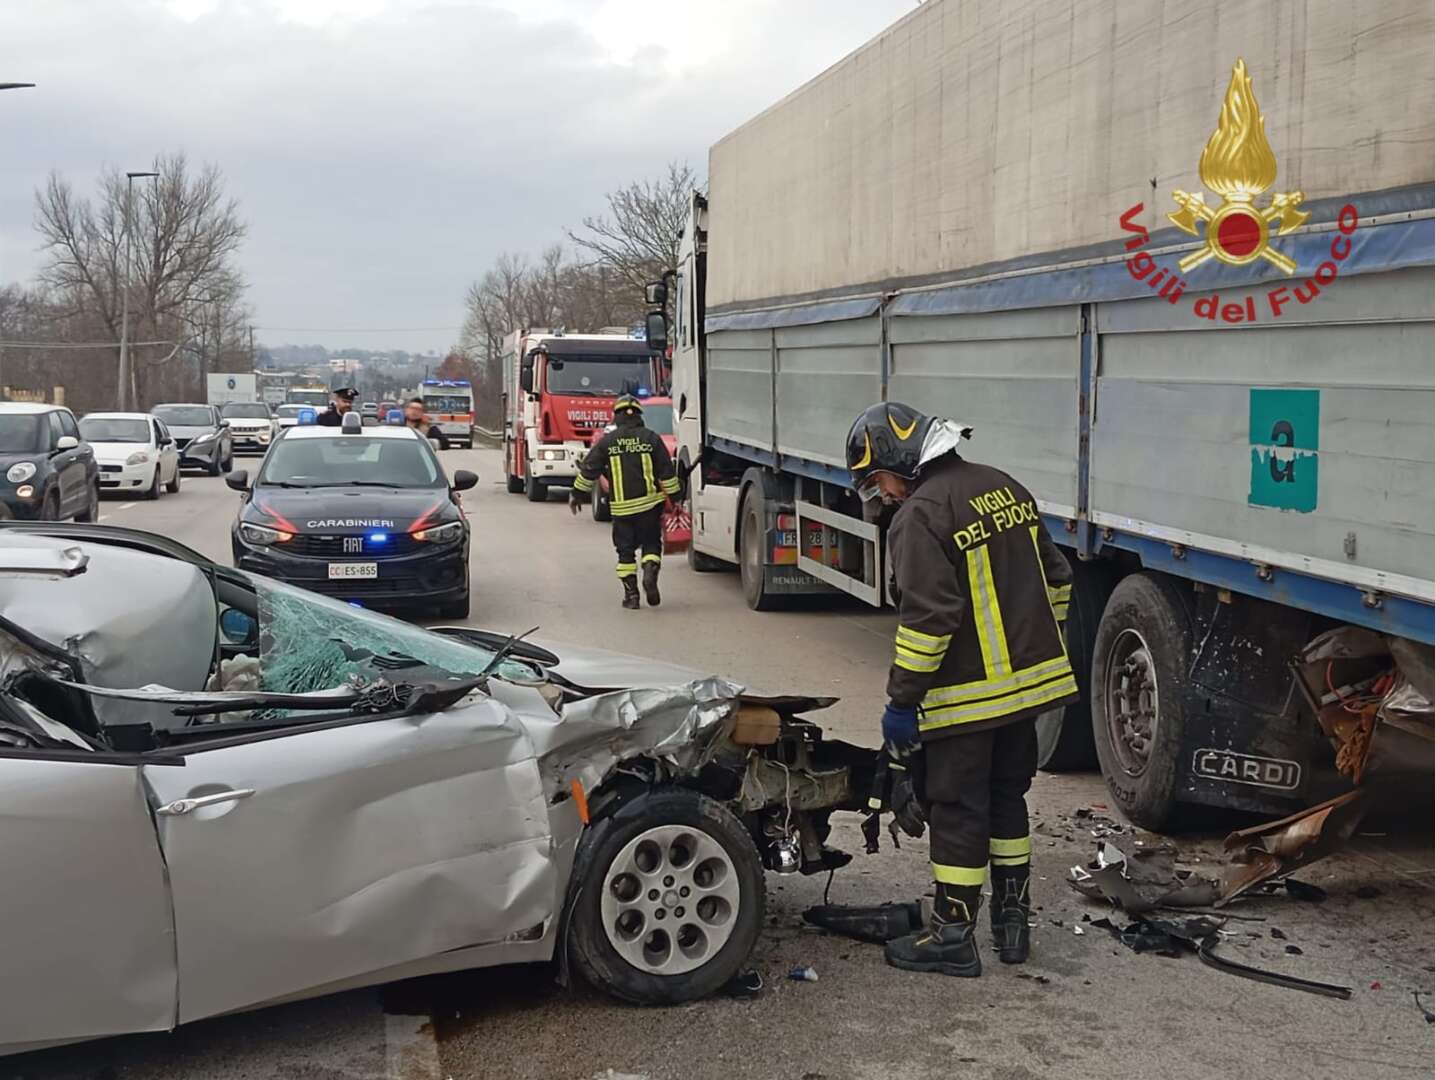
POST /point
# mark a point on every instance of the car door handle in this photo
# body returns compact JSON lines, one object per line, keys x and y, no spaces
{"x":184,"y":806}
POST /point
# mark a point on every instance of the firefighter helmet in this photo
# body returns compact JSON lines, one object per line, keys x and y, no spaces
{"x":888,"y":437}
{"x":627,"y":403}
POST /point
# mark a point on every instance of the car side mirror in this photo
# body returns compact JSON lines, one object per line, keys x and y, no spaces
{"x":463,"y":479}
{"x":657,"y":326}
{"x":238,"y":627}
{"x":525,"y":375}
{"x":656,"y":293}
{"x":66,"y":442}
{"x":224,"y":421}
{"x":238,"y":479}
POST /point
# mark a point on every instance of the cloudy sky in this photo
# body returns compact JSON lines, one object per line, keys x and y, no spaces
{"x":384,"y":151}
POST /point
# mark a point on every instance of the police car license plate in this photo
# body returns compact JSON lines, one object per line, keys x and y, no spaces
{"x":343,"y":571}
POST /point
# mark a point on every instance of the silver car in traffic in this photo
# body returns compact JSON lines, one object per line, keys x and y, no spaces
{"x":220,"y":792}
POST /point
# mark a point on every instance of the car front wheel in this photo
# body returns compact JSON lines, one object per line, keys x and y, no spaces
{"x":669,"y":899}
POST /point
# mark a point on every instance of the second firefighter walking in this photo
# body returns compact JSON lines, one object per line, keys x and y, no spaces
{"x":641,"y":478}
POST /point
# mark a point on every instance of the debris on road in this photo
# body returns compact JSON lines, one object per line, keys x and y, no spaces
{"x":1277,"y":848}
{"x":1146,"y":879}
{"x":803,"y":974}
{"x":745,"y":984}
{"x":1425,"y":1010}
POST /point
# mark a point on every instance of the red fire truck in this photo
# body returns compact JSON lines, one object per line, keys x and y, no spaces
{"x":558,"y":389}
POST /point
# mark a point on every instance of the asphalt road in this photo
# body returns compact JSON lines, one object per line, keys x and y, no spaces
{"x":1084,"y":1006}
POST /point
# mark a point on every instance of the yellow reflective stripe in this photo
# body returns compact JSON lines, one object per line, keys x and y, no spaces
{"x":959,"y":875}
{"x":625,"y":507}
{"x":922,"y":665}
{"x":989,"y":688}
{"x":652,"y":558}
{"x":582,"y":484}
{"x":615,"y":477}
{"x":1057,"y":595}
{"x":1021,"y":845}
{"x":648,"y":474}
{"x":917,"y":656}
{"x":990,"y":633}
{"x":924,"y":641}
{"x":989,"y":710}
{"x":627,"y":569}
{"x":1059,"y":610}
{"x":874,"y":804}
{"x":670,"y":485}
{"x":1010,"y":860}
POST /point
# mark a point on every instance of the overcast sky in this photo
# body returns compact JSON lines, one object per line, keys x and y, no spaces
{"x":384,"y":151}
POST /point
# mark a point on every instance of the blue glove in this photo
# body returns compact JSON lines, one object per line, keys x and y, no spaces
{"x":899,"y":725}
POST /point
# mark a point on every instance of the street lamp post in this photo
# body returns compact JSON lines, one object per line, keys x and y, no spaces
{"x":122,"y":397}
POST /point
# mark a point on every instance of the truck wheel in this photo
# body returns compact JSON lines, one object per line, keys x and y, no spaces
{"x":602,"y":506}
{"x":669,"y":899}
{"x":515,"y":485}
{"x":751,"y":565}
{"x":1137,"y":708}
{"x":1064,"y":741}
{"x":536,"y":490}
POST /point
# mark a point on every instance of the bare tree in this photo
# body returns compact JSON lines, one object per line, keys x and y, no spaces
{"x":185,"y":234}
{"x":638,"y":237}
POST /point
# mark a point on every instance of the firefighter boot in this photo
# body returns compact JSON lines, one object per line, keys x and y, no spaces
{"x":650,"y":583}
{"x":948,"y":945}
{"x":630,"y":592}
{"x":1011,"y":912}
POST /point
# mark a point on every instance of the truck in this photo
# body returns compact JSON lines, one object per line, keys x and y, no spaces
{"x":558,"y":389}
{"x":448,"y":409}
{"x":223,"y":387}
{"x":316,"y":395}
{"x":1225,"y":409}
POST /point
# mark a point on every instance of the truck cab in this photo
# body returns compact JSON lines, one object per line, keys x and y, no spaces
{"x":558,"y":390}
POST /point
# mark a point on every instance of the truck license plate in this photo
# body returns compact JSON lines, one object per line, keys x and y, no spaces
{"x":343,"y":571}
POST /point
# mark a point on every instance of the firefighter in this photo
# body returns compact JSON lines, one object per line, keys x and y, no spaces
{"x":982,"y":594}
{"x":343,"y":401}
{"x":641,"y":477}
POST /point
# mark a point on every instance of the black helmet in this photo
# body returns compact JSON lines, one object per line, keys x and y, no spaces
{"x":627,"y":403}
{"x":887,"y":437}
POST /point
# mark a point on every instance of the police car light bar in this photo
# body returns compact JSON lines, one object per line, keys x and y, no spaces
{"x":446,"y":382}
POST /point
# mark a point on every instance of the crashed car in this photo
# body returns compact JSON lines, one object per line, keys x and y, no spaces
{"x":222,"y":792}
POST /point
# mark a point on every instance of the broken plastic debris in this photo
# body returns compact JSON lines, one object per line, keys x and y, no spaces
{"x":803,"y":974}
{"x":1146,"y":880}
{"x":877,"y":924}
{"x":1427,"y":1012}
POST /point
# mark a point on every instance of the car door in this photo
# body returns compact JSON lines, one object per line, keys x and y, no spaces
{"x":164,"y":447}
{"x":86,"y":935}
{"x":337,"y":851}
{"x":63,"y":465}
{"x":226,"y":437}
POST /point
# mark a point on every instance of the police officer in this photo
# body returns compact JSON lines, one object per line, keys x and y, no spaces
{"x":343,"y":402}
{"x":640,"y":479}
{"x":982,"y":594}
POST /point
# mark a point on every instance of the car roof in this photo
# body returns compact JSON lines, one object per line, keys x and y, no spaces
{"x":381,"y":431}
{"x":184,"y":405}
{"x":117,"y":416}
{"x":31,"y":407}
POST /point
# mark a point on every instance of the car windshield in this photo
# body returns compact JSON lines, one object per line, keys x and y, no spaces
{"x":184,"y":415}
{"x":291,"y":410}
{"x":245,"y":410}
{"x":104,"y":429}
{"x":600,"y":377}
{"x":447,"y":403}
{"x":352,"y":459}
{"x":658,"y":419}
{"x":20,"y":433}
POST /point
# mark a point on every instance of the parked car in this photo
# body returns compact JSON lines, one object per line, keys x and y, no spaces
{"x":363,"y":513}
{"x":251,"y":425}
{"x":49,"y":472}
{"x":135,"y":452}
{"x":286,"y":416}
{"x":269,"y":794}
{"x":199,"y":433}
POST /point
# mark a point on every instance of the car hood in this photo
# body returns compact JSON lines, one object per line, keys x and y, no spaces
{"x":249,"y":423}
{"x":340,"y":511}
{"x":185,"y":431}
{"x":117,"y":451}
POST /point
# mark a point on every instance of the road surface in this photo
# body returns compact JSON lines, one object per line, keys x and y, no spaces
{"x":1084,"y":1006}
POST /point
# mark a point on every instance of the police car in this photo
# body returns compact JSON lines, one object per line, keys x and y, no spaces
{"x":365,"y":514}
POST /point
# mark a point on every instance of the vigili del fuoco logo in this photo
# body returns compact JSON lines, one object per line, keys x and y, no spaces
{"x":1239,"y":165}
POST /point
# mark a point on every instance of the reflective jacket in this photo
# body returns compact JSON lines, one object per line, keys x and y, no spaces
{"x":639,"y":467}
{"x":982,"y":593}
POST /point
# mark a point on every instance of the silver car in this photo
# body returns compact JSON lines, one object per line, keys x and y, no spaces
{"x":220,"y":792}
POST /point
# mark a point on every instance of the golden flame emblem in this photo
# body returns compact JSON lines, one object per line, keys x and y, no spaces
{"x":1238,"y":164}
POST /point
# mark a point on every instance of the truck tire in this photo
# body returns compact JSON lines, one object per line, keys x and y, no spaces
{"x":1138,"y":718}
{"x":1064,"y":741}
{"x":536,"y":490}
{"x":515,"y":485}
{"x":751,"y":563}
{"x":668,"y":899}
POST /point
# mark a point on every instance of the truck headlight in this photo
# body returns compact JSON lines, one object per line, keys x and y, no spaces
{"x":552,"y":455}
{"x":262,"y":536}
{"x":441,"y":534}
{"x":139,"y":457}
{"x":20,"y":472}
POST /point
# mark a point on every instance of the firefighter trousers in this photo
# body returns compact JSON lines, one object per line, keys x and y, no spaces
{"x":638,"y":531}
{"x":975,"y":793}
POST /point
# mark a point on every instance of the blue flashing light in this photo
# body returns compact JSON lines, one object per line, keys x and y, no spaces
{"x":355,"y":603}
{"x":379,"y":538}
{"x":393,"y":416}
{"x":308,"y":416}
{"x":643,"y":391}
{"x":446,"y":382}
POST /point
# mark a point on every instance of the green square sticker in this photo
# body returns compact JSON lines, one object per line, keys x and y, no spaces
{"x":1285,"y":444}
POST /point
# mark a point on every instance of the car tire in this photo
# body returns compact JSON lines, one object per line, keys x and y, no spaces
{"x":50,"y":508}
{"x":1137,"y":706}
{"x":750,"y":563}
{"x":619,"y":942}
{"x":602,"y":506}
{"x":214,"y":467}
{"x":457,"y":609}
{"x":536,"y":490}
{"x":91,"y":511}
{"x":228,"y":465}
{"x":1064,"y":740}
{"x":152,"y":492}
{"x":173,"y":486}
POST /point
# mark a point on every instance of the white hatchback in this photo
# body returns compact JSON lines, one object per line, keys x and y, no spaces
{"x":135,"y":452}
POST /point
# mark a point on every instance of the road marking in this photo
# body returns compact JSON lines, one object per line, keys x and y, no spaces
{"x":127,"y":506}
{"x":410,"y":1051}
{"x":102,"y":517}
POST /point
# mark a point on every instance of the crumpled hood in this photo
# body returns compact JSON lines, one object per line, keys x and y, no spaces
{"x":339,"y":511}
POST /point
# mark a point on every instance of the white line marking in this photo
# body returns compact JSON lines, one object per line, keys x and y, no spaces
{"x":102,"y":517}
{"x":127,"y":506}
{"x":410,"y":1051}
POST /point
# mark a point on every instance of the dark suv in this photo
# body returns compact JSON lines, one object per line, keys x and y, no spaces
{"x":47,"y":472}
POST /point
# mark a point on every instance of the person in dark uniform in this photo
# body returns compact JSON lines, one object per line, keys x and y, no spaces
{"x":982,"y":594}
{"x":641,"y":477}
{"x":343,"y":402}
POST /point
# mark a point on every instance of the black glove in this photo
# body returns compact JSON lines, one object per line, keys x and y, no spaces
{"x":905,"y":767}
{"x":575,"y":500}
